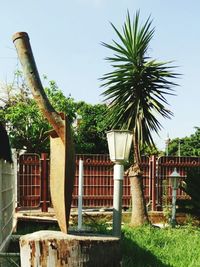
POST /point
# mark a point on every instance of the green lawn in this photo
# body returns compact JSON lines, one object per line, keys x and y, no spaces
{"x":153,"y":247}
{"x":148,"y":246}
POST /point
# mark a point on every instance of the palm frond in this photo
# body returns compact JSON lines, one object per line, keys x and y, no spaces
{"x":138,"y":85}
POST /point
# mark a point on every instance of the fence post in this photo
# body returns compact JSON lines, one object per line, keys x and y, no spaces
{"x":80,"y":194}
{"x":153,"y":178}
{"x":44,"y":182}
{"x":15,"y":181}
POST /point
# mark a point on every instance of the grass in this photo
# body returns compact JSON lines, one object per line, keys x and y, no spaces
{"x":150,"y":246}
{"x":153,"y":247}
{"x":146,"y":246}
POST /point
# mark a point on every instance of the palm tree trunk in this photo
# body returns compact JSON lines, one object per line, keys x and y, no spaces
{"x":139,"y":214}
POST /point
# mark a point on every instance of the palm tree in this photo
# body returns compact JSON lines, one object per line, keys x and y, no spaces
{"x":136,"y":90}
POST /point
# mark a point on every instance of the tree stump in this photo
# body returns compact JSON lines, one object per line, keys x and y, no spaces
{"x":57,"y":249}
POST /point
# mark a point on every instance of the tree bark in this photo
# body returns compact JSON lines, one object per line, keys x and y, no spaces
{"x":23,"y":47}
{"x":56,"y":249}
{"x":63,"y":170}
{"x":139,"y":214}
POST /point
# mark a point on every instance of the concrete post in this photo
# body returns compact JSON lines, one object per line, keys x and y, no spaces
{"x":117,"y":199}
{"x":80,"y":194}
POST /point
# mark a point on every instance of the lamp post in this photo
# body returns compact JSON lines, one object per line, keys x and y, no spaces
{"x":119,"y":144}
{"x":174,"y":179}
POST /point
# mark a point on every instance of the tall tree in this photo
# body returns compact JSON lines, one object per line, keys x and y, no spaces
{"x":136,"y":89}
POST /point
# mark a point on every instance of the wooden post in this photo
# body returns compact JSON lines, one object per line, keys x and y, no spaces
{"x":53,"y":248}
{"x":62,"y":146}
{"x":44,"y":182}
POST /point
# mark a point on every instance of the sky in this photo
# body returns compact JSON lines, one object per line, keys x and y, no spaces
{"x":66,"y":41}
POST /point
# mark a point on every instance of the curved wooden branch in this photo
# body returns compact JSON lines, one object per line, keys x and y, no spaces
{"x":23,"y":47}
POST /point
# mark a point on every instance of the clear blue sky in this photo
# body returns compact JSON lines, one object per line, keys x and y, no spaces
{"x":66,"y":36}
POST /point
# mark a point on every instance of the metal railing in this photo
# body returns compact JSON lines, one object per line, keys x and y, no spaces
{"x":33,"y":181}
{"x":29,"y":181}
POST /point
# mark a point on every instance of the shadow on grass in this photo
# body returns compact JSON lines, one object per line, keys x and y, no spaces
{"x":136,"y":256}
{"x":27,"y":227}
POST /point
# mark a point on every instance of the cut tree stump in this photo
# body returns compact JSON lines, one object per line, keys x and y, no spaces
{"x":57,"y":249}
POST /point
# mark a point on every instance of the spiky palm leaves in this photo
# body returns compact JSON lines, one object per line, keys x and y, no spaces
{"x":137,"y":87}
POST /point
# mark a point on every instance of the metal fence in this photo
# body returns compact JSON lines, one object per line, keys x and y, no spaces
{"x":29,"y":181}
{"x":164,"y":167}
{"x":98,"y":181}
{"x":6,"y":201}
{"x":33,"y":180}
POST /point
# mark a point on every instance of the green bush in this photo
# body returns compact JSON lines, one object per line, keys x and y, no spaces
{"x":191,"y":186}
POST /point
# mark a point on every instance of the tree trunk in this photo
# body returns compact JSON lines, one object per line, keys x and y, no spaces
{"x":23,"y":47}
{"x":56,"y":249}
{"x":139,"y":214}
{"x":62,"y":147}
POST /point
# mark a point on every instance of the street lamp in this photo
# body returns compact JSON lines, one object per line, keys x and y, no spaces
{"x":119,"y":145}
{"x":174,"y":179}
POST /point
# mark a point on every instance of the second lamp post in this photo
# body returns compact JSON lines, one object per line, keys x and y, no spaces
{"x":174,"y":178}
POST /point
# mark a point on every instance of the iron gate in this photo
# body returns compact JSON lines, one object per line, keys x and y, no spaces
{"x":29,"y":181}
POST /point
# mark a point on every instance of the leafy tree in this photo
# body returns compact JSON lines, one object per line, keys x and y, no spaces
{"x":187,"y":146}
{"x":60,"y":102}
{"x":28,"y":128}
{"x":136,"y":90}
{"x":90,"y":134}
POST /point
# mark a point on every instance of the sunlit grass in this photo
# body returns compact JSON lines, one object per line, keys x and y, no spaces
{"x":153,"y":247}
{"x":147,"y":246}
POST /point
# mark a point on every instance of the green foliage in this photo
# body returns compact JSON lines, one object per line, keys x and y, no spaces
{"x":90,"y":136}
{"x":191,"y":186}
{"x":149,"y":150}
{"x":28,"y":128}
{"x":26,"y":125}
{"x":149,"y":247}
{"x":138,"y":85}
{"x":188,"y":146}
{"x":99,"y":226}
{"x":60,"y":102}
